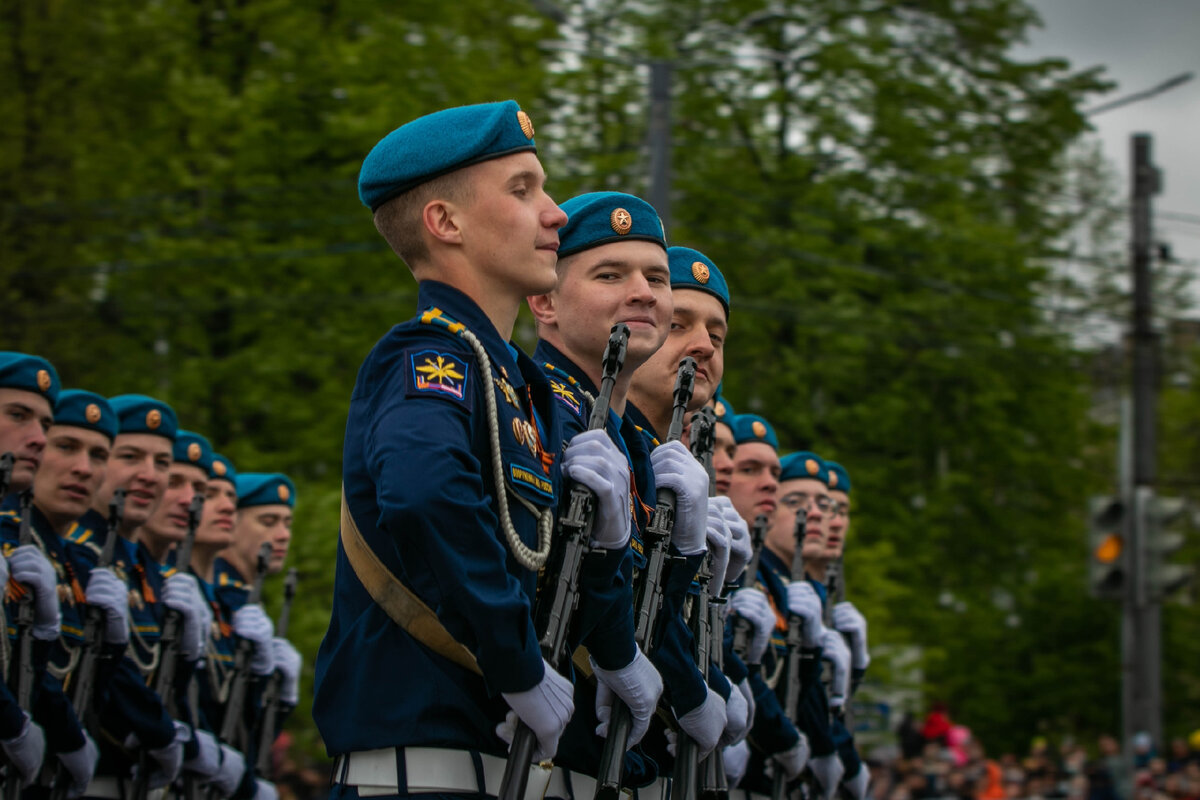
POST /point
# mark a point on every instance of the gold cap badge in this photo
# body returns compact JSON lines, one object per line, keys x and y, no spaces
{"x":153,"y":419}
{"x":811,"y":467}
{"x":621,"y":221}
{"x":219,"y":467}
{"x":43,"y":379}
{"x":284,"y":494}
{"x":700,"y":271}
{"x":526,"y":124}
{"x":719,"y":408}
{"x":92,"y":413}
{"x":193,"y":452}
{"x":833,"y":480}
{"x":759,"y":429}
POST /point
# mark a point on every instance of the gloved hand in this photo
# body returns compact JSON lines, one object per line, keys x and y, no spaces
{"x":107,"y":592}
{"x":545,"y":708}
{"x":802,"y":600}
{"x":752,"y":606}
{"x":592,"y":460}
{"x":676,"y":469}
{"x":264,"y":790}
{"x":169,"y":758}
{"x":858,"y":783}
{"x":793,"y":759}
{"x":850,"y":622}
{"x":230,"y":772}
{"x":33,"y":570}
{"x":748,"y":693}
{"x":834,"y":649}
{"x":737,"y":758}
{"x":638,"y":685}
{"x":740,"y":551}
{"x":717,"y":539}
{"x":207,"y":761}
{"x":252,"y":623}
{"x":80,"y":765}
{"x":737,"y":721}
{"x":27,"y":749}
{"x":181,"y":592}
{"x":705,"y":722}
{"x":828,"y":771}
{"x":287,"y":661}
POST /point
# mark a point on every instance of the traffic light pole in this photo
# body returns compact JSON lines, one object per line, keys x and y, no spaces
{"x":1141,"y":629}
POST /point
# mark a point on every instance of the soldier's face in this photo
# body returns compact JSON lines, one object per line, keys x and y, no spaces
{"x":509,"y":226}
{"x":72,"y":470}
{"x":139,"y":465}
{"x":219,"y":517}
{"x":800,"y":496}
{"x":698,"y":329}
{"x":837,"y":524}
{"x":258,"y":525}
{"x":170,"y":520}
{"x":627,"y":282}
{"x":724,"y":451}
{"x":24,"y":419}
{"x":755,"y":480}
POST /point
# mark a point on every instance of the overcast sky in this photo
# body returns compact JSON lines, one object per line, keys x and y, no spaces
{"x":1141,"y":44}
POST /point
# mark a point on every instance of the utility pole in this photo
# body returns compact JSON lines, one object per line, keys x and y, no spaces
{"x":660,"y":140}
{"x":1141,"y":626}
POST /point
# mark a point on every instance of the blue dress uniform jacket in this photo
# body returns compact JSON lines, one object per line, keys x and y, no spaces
{"x":419,"y":482}
{"x":230,"y":589}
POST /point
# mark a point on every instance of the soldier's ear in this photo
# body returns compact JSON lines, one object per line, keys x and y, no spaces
{"x":543,"y":307}
{"x":441,"y":220}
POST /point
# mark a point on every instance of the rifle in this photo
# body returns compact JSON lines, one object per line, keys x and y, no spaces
{"x":83,"y":678}
{"x":271,"y":695}
{"x":795,"y":651}
{"x":6,"y":467}
{"x":235,"y":705}
{"x":168,"y":648}
{"x":656,"y":541}
{"x":833,"y":587}
{"x":575,"y":529}
{"x":758,"y":535}
{"x":22,"y":679}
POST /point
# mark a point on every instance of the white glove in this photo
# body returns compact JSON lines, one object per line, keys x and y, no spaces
{"x":169,"y":758}
{"x":181,"y":592}
{"x":717,"y":539}
{"x":27,"y":749}
{"x":828,"y":771}
{"x":737,"y":721}
{"x":545,"y":708}
{"x":737,"y":758}
{"x":740,"y":551}
{"x":33,"y":570}
{"x":834,"y":649}
{"x":803,"y":600}
{"x":638,"y":685}
{"x":252,"y":623}
{"x":207,"y":761}
{"x":705,"y":722}
{"x":230,"y":772}
{"x":592,"y":460}
{"x":287,"y":661}
{"x":793,"y":759}
{"x":676,"y":469}
{"x":106,"y":592}
{"x":748,"y":693}
{"x":752,"y":606}
{"x":857,"y":785}
{"x":264,"y":790}
{"x":848,"y":620}
{"x":80,"y":765}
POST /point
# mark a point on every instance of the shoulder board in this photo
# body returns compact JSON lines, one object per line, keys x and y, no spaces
{"x":440,"y":319}
{"x":168,"y":571}
{"x":649,"y":436}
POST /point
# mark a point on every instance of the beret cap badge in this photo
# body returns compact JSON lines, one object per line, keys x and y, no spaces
{"x":43,"y":380}
{"x":526,"y":124}
{"x":700,"y":271}
{"x":283,"y":493}
{"x":621,"y":221}
{"x":719,"y":408}
{"x":811,"y":467}
{"x":153,"y":419}
{"x":92,"y":413}
{"x":193,"y":452}
{"x":759,"y":429}
{"x":218,"y":468}
{"x":833,"y":480}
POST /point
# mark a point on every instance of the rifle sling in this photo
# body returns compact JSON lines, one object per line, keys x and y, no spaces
{"x":397,"y":600}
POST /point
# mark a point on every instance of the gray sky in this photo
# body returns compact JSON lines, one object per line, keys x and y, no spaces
{"x":1141,"y":44}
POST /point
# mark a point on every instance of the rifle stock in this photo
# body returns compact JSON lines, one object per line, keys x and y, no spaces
{"x":795,"y":651}
{"x":271,"y":696}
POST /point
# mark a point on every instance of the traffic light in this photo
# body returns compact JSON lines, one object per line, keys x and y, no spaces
{"x":1106,"y":545}
{"x":1162,"y":516}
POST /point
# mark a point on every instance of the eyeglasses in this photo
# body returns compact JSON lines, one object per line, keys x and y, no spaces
{"x":803,"y":499}
{"x":841,"y":510}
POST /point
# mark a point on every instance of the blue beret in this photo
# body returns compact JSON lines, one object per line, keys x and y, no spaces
{"x":222,"y":469}
{"x":691,"y":269}
{"x":838,"y":477}
{"x":438,"y":143}
{"x":600,"y":218}
{"x":30,"y":373}
{"x":803,"y":465}
{"x":81,"y":409}
{"x":265,"y":489}
{"x":141,"y":414}
{"x":723,"y":409}
{"x":753,"y":428}
{"x":192,"y":448}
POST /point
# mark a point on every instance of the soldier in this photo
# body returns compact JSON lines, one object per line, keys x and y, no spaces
{"x":29,"y":388}
{"x":187,"y":477}
{"x":447,"y":513}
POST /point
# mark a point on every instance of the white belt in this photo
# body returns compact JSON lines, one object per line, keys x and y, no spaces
{"x":104,"y":787}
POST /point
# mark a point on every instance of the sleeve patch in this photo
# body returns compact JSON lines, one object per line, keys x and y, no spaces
{"x":438,"y":373}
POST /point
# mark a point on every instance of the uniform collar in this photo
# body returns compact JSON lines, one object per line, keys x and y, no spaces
{"x":635,"y":415}
{"x":547,"y":353}
{"x":459,"y":307}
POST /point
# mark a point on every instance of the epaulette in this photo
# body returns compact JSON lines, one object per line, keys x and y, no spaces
{"x":440,"y":319}
{"x":563,"y":394}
